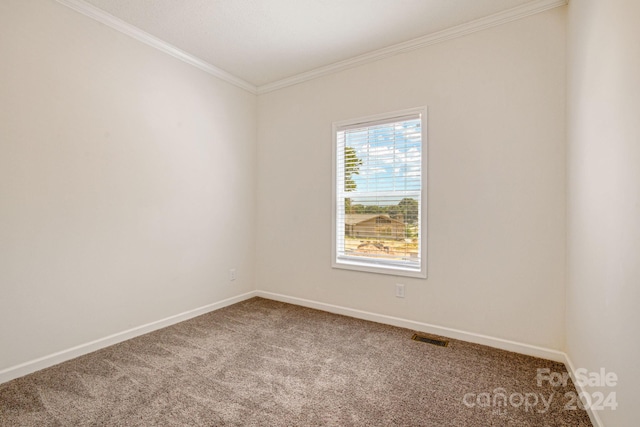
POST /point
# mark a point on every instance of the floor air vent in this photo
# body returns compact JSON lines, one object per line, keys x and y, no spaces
{"x":434,"y":341}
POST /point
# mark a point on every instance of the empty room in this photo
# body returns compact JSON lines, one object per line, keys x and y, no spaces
{"x":319,"y":212}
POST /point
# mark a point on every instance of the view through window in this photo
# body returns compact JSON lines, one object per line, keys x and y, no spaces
{"x":379,"y":204}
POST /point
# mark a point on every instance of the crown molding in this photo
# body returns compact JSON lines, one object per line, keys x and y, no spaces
{"x":144,"y":37}
{"x":500,"y":18}
{"x":458,"y":31}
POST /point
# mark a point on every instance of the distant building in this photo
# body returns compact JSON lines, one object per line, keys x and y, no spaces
{"x":373,"y":226}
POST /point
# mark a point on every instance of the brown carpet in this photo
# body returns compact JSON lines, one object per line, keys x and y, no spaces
{"x":265,"y":363}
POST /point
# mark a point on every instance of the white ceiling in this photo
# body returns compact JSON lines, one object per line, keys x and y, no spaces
{"x":266,"y":41}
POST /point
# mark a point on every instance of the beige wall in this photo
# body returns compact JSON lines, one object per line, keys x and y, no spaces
{"x":603,"y":289}
{"x":126,"y":183}
{"x":496,"y":182}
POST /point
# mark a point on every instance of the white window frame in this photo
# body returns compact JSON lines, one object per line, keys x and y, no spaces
{"x":371,"y":265}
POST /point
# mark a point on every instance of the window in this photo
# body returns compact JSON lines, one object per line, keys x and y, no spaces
{"x":379,"y":194}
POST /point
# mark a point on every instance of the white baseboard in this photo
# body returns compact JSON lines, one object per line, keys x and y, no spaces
{"x":516,"y":347}
{"x":71,"y":353}
{"x":593,"y":415}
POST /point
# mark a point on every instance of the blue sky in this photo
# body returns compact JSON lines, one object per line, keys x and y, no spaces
{"x":391,"y":157}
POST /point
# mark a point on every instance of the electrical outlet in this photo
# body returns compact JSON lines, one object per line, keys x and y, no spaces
{"x":399,"y":290}
{"x":232,"y":274}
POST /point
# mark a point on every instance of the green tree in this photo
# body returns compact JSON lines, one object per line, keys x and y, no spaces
{"x":408,"y":207}
{"x":351,"y":167}
{"x":359,"y":209}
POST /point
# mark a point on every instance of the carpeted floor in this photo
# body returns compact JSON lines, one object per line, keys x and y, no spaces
{"x":265,"y":363}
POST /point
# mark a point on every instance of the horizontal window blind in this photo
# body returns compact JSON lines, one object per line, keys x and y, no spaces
{"x":379,"y":193}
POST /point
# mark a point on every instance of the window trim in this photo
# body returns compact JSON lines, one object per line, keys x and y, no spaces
{"x":388,"y":267}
